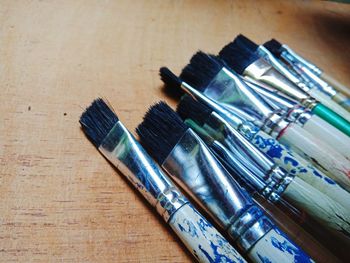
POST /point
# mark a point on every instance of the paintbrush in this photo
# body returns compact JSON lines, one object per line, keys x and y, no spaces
{"x":294,"y":112}
{"x":209,"y":75}
{"x":305,"y":79}
{"x":247,"y":63}
{"x":203,"y":120}
{"x":241,"y":159}
{"x":322,"y":93}
{"x":295,"y":60}
{"x":190,"y":163}
{"x":103,"y":128}
{"x":305,"y":74}
{"x":260,"y":172}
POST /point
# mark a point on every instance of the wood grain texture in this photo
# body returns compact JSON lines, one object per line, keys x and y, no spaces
{"x":59,"y":199}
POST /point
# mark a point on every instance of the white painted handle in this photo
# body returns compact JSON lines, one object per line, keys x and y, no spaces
{"x":294,"y":164}
{"x":325,"y":185}
{"x":275,"y":247}
{"x":321,"y":154}
{"x":201,"y":238}
{"x":329,"y":134}
{"x":328,"y":102}
{"x":323,"y":209}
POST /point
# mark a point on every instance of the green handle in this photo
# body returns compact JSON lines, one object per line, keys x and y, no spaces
{"x":333,"y":118}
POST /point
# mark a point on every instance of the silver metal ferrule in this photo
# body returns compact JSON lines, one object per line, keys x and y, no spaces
{"x":267,"y":55}
{"x":277,"y":100}
{"x":319,"y":83}
{"x":291,"y":110}
{"x":128,"y":156}
{"x":231,"y":92}
{"x":199,"y":173}
{"x":248,"y":128}
{"x":255,"y":166}
{"x":288,"y":52}
{"x":299,"y":115}
{"x":232,"y":118}
{"x":261,"y":70}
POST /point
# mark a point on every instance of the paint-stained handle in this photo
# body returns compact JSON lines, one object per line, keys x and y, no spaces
{"x":335,"y":84}
{"x":294,"y":164}
{"x":275,"y":247}
{"x":332,"y":118}
{"x":329,"y":134}
{"x":329,"y":213}
{"x":342,"y":100}
{"x":201,"y":238}
{"x":329,"y":103}
{"x":321,"y":154}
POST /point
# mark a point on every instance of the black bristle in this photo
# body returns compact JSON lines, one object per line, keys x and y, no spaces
{"x":246,"y":42}
{"x":97,"y":120}
{"x":201,"y":70}
{"x":172,"y":83}
{"x":237,"y":56}
{"x":188,"y":108}
{"x":274,"y":47}
{"x":161,"y":130}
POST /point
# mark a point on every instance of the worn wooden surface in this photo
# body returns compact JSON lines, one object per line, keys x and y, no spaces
{"x":59,"y":199}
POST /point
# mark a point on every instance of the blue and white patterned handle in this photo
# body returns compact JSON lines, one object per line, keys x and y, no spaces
{"x":275,"y":247}
{"x":201,"y":238}
{"x":294,"y":164}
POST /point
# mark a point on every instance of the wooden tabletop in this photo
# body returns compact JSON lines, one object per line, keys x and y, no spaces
{"x":60,"y":200}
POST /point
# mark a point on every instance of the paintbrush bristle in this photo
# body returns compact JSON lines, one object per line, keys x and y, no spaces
{"x":161,"y":130}
{"x":188,"y":108}
{"x":246,"y":42}
{"x":238,"y":55}
{"x":97,"y":121}
{"x":172,"y":83}
{"x":274,"y":47}
{"x":201,"y":70}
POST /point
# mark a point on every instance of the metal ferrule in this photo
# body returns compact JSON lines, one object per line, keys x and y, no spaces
{"x":277,"y":100}
{"x":288,"y":52}
{"x":309,"y":75}
{"x":128,"y":156}
{"x":319,"y":83}
{"x":199,"y":173}
{"x":267,"y":55}
{"x":299,"y":115}
{"x":248,"y":162}
{"x":291,"y":110}
{"x":234,"y":119}
{"x":231,"y":92}
{"x":248,"y":128}
{"x":261,"y":70}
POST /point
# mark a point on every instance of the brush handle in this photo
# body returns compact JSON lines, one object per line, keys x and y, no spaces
{"x":329,"y":213}
{"x":275,"y":247}
{"x":294,"y":164}
{"x":321,"y":154}
{"x":342,"y":100}
{"x":332,"y":118}
{"x":329,"y":134}
{"x":328,"y":102}
{"x":204,"y":242}
{"x":335,"y":84}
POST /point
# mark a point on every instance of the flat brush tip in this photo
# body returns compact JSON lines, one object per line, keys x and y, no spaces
{"x":274,"y":47}
{"x":188,"y":108}
{"x":201,"y":70}
{"x":244,"y":41}
{"x":97,"y":120}
{"x":238,"y":55}
{"x":160,"y":130}
{"x":172,"y":83}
